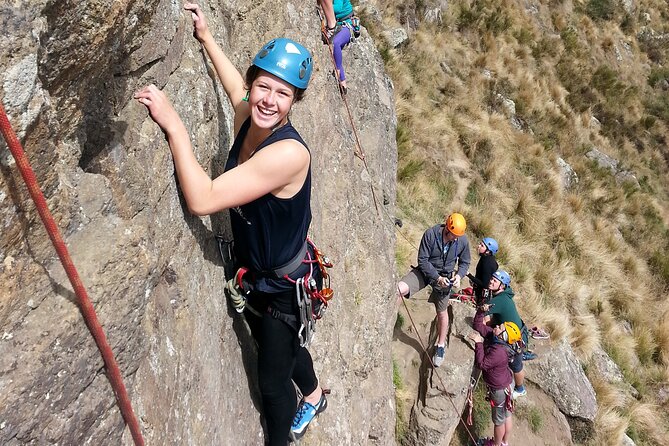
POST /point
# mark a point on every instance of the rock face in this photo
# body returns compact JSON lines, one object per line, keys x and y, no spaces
{"x":434,"y":416}
{"x":69,"y":70}
{"x":558,"y":372}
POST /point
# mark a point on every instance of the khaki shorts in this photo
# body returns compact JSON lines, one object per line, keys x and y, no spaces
{"x":416,"y":282}
{"x":499,"y":411}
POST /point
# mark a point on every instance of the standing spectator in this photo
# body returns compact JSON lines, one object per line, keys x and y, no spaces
{"x":443,"y":260}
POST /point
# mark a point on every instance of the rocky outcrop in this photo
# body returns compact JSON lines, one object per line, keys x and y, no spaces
{"x":567,"y":174}
{"x":606,"y":162}
{"x":69,"y":70}
{"x":558,"y":372}
{"x":442,"y":391}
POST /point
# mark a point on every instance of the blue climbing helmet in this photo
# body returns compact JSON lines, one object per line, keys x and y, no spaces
{"x":503,"y":277}
{"x":491,"y":244}
{"x":287,"y":60}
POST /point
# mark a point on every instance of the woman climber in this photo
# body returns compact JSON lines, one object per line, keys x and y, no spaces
{"x":267,"y":188}
{"x":339,"y":29}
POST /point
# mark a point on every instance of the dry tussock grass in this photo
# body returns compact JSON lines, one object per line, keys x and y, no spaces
{"x":610,"y":427}
{"x":585,"y":335}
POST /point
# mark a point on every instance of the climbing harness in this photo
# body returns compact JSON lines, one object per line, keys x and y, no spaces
{"x":312,"y":300}
{"x":312,"y":297}
{"x":83,"y":301}
{"x":508,"y":403}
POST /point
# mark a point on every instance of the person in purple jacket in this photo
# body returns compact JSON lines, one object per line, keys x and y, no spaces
{"x":492,"y":352}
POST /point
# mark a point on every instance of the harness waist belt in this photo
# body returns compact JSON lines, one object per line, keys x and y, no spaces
{"x":291,"y":266}
{"x":342,"y":19}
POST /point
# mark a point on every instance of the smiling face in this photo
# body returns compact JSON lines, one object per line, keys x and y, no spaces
{"x":270,"y":99}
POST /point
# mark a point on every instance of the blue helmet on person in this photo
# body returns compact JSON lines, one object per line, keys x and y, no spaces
{"x":503,"y":277}
{"x":287,"y":60}
{"x":491,"y":244}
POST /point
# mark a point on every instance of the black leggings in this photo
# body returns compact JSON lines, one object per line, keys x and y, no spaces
{"x":281,"y":361}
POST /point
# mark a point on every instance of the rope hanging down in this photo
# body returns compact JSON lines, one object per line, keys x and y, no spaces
{"x":358,"y":151}
{"x":85,"y":305}
{"x":360,"y":154}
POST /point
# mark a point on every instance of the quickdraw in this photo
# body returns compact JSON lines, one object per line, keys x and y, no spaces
{"x":312,"y":300}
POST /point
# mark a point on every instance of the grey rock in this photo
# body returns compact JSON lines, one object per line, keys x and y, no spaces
{"x":627,"y":441}
{"x":608,"y":369}
{"x":487,"y":73}
{"x":646,"y":18}
{"x":433,"y":416}
{"x":445,"y":68}
{"x":567,"y":174}
{"x":507,"y":104}
{"x":558,"y":372}
{"x":663,"y":394}
{"x":663,"y":84}
{"x":595,"y":124}
{"x":628,"y":6}
{"x":625,"y":176}
{"x":396,"y":37}
{"x":432,"y":15}
{"x":151,"y":269}
{"x":603,"y":160}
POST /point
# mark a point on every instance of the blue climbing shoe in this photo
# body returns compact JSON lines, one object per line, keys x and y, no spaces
{"x":306,"y":412}
{"x":528,"y":356}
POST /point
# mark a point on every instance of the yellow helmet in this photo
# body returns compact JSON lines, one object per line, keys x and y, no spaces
{"x":512,"y":333}
{"x":456,"y":224}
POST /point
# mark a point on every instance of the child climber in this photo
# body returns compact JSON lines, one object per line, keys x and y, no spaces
{"x":492,"y":354}
{"x":339,"y":30}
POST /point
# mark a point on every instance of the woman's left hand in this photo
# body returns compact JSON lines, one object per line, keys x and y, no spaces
{"x":160,"y":108}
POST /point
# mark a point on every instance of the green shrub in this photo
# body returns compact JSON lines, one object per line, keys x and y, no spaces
{"x":600,"y":9}
{"x":569,"y":38}
{"x":409,"y":170}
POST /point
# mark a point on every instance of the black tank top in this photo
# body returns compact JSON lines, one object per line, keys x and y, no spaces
{"x":270,"y":231}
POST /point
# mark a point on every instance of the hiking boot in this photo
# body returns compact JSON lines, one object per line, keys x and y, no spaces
{"x":306,"y":412}
{"x":518,"y":393}
{"x":438,"y":357}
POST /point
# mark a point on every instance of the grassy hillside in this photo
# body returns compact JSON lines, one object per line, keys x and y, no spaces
{"x":588,"y":262}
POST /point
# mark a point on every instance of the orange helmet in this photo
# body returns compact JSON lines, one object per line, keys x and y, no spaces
{"x":456,"y":224}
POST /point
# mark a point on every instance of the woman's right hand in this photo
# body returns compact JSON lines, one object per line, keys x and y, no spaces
{"x":160,"y":108}
{"x":201,"y":30}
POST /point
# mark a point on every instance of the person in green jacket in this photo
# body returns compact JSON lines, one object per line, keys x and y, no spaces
{"x":500,"y":309}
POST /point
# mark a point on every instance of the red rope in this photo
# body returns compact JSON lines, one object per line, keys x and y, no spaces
{"x":85,"y":305}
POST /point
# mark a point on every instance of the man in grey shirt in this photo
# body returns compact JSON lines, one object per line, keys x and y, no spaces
{"x":443,"y":260}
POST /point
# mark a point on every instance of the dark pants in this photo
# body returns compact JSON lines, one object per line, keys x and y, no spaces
{"x":281,"y":361}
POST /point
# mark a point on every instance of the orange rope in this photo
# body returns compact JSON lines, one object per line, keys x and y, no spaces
{"x":85,"y":305}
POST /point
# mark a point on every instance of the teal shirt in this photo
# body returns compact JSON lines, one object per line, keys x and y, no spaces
{"x":503,"y":309}
{"x":342,"y":8}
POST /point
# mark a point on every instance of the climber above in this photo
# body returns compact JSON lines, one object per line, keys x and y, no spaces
{"x":443,"y":260}
{"x":267,"y":188}
{"x":340,"y":28}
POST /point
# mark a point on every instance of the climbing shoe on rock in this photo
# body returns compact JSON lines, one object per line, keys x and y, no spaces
{"x":305,"y":414}
{"x":438,"y":357}
{"x":522,"y":391}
